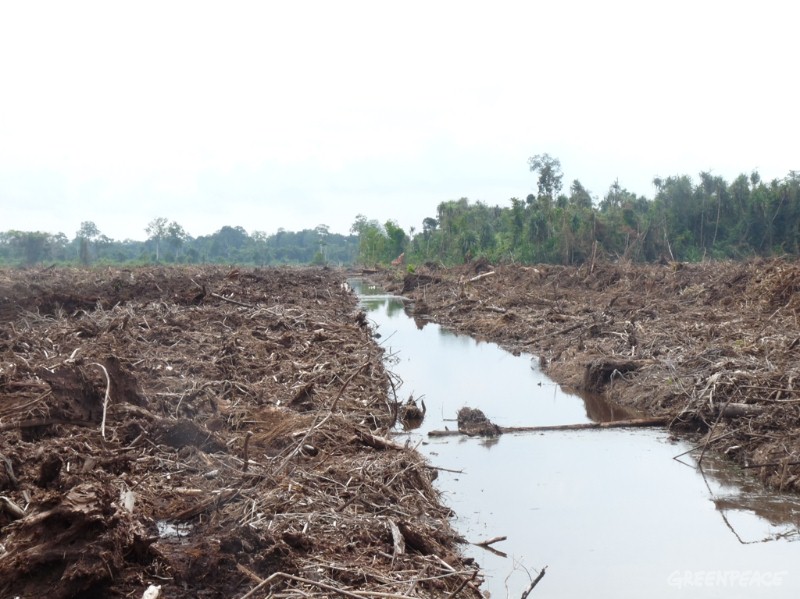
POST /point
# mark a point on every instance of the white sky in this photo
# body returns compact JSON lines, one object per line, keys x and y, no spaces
{"x":292,"y":114}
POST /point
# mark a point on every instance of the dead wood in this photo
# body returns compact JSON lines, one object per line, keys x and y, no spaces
{"x":481,"y":276}
{"x":692,"y":342}
{"x":657,"y":421}
{"x":377,"y":442}
{"x":473,"y":422}
{"x":534,"y":582}
{"x":740,"y":410}
{"x":244,"y":429}
{"x":491,"y":541}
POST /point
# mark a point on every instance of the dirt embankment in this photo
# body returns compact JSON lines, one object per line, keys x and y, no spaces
{"x":210,"y":431}
{"x":714,"y":346}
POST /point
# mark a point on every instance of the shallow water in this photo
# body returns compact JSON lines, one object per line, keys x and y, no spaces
{"x":609,"y":512}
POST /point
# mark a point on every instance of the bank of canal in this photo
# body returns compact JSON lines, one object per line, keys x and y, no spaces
{"x":610,"y":512}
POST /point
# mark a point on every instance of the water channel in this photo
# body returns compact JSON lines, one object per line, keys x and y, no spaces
{"x":611,"y":513}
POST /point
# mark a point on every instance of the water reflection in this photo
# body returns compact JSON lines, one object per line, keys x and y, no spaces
{"x":599,"y":409}
{"x":610,"y":512}
{"x":448,"y":361}
{"x":752,"y":514}
{"x":412,"y":413}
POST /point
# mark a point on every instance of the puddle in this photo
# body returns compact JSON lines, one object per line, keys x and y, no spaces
{"x":610,"y":512}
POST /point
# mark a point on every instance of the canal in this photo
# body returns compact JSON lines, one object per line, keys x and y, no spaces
{"x":611,"y":513}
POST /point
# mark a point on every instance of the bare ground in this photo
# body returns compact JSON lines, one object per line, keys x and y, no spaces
{"x":713,"y":346}
{"x":219,"y":433}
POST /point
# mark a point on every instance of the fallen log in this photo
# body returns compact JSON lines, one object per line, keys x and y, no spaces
{"x":739,"y":410}
{"x":633,"y":423}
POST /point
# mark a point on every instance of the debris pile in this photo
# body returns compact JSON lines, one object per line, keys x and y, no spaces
{"x":473,"y":422}
{"x":713,"y":346}
{"x":214,"y":432}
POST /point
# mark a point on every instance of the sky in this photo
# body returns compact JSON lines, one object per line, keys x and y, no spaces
{"x":276,"y":114}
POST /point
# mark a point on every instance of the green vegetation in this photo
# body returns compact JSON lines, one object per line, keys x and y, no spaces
{"x":686,"y":220}
{"x":169,"y":243}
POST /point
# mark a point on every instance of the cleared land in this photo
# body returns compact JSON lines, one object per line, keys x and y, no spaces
{"x":220,"y":433}
{"x":712,"y":346}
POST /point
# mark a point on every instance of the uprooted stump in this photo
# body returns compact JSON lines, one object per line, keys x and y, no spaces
{"x":78,"y":546}
{"x":410,"y":414}
{"x":473,"y":422}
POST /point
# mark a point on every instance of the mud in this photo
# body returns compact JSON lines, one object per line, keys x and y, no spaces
{"x":216,"y":432}
{"x":713,"y":346}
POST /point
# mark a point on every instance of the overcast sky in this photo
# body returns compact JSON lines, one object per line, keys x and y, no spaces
{"x":293,"y":114}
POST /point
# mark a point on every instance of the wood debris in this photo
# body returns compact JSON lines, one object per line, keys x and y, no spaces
{"x":230,"y":443}
{"x":712,"y":347}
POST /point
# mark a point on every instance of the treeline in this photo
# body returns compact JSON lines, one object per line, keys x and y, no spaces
{"x":686,"y":220}
{"x":169,"y":243}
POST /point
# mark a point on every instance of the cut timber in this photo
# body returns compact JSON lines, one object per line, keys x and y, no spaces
{"x":634,"y":423}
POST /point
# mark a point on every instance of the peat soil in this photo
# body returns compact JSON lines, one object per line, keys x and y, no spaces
{"x":215,"y":432}
{"x":712,"y":346}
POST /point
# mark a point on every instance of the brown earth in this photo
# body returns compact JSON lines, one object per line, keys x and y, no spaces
{"x":210,"y":431}
{"x":714,"y":346}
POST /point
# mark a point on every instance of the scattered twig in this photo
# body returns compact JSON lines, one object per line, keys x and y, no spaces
{"x":347,"y":382}
{"x":534,"y":583}
{"x":105,"y":400}
{"x":43,"y":422}
{"x":771,"y":464}
{"x":481,"y":276}
{"x":324,"y":586}
{"x":231,"y":301}
{"x":245,"y":452}
{"x":464,"y":583}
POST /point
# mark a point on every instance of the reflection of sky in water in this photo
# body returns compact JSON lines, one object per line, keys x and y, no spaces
{"x":610,"y":512}
{"x":458,"y":371}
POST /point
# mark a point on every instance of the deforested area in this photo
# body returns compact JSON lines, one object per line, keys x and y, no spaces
{"x":215,"y":432}
{"x":711,"y":346}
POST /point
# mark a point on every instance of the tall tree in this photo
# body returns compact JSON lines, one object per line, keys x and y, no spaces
{"x":396,"y":239}
{"x":157,"y":229}
{"x":371,"y":239}
{"x":176,"y":236}
{"x":550,"y":176}
{"x":88,"y":230}
{"x":578,"y":195}
{"x":86,"y":235}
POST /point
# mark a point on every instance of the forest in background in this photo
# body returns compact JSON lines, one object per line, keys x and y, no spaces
{"x":168,"y":243}
{"x":686,"y":220}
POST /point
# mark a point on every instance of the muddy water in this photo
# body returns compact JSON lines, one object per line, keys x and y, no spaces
{"x":610,"y":513}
